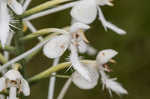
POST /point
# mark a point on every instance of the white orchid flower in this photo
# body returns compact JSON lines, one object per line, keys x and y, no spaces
{"x":94,"y":69}
{"x":5,"y":18}
{"x":14,"y":80}
{"x":59,"y":44}
{"x":85,"y":11}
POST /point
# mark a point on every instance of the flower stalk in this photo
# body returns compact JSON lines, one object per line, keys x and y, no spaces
{"x":52,"y":80}
{"x":8,"y":48}
{"x":42,"y":7}
{"x":51,"y":11}
{"x":38,"y":33}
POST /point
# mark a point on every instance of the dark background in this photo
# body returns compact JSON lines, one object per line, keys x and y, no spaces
{"x":133,"y":61}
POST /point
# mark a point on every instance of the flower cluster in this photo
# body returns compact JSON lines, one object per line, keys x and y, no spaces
{"x":86,"y":75}
{"x":73,"y":39}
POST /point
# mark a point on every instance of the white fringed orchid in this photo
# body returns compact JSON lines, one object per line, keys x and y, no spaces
{"x":85,"y":11}
{"x":14,"y":80}
{"x":103,"y":57}
{"x":59,"y":44}
{"x":5,"y":17}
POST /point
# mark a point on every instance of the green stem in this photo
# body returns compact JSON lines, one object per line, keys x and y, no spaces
{"x":52,"y":69}
{"x":8,"y":48}
{"x":38,"y":33}
{"x":4,"y":93}
{"x":19,"y":45}
{"x":42,"y":7}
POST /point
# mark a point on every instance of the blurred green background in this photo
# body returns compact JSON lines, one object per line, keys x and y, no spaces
{"x":133,"y":61}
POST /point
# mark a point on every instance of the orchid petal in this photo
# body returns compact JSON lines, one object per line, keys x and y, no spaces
{"x":4,"y":23}
{"x":2,"y":84}
{"x":83,"y":47}
{"x":102,"y":18}
{"x":91,"y":50}
{"x":115,"y":28}
{"x":109,"y":25}
{"x":111,"y":84}
{"x":85,"y":11}
{"x":25,"y":87}
{"x":74,"y":58}
{"x":115,"y":86}
{"x":81,"y":82}
{"x":12,"y":93}
{"x":105,"y":55}
{"x":77,"y":26}
{"x":13,"y":75}
{"x":57,"y":46}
